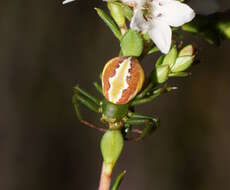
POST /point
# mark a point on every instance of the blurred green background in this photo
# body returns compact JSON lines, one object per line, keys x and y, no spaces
{"x":47,"y":48}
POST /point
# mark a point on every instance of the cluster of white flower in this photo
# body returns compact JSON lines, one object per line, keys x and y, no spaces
{"x":156,"y":16}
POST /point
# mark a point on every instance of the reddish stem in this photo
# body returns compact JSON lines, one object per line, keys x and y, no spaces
{"x":106,"y":175}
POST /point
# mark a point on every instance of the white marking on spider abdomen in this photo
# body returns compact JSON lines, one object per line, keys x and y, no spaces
{"x":118,"y":83}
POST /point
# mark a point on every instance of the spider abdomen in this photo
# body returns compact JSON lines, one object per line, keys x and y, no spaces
{"x":122,"y":79}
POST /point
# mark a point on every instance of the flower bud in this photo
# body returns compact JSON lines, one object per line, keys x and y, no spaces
{"x":188,"y":50}
{"x":111,"y":147}
{"x":185,"y":59}
{"x":122,"y":79}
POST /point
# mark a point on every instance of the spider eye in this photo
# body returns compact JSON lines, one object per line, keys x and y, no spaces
{"x":122,"y":79}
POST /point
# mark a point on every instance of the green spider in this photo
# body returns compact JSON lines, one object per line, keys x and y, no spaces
{"x":121,"y":114}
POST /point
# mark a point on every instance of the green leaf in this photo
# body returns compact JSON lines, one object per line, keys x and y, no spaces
{"x":109,"y":22}
{"x":116,"y":12}
{"x":170,"y":58}
{"x":161,"y":72}
{"x":153,"y":50}
{"x":118,"y":181}
{"x":128,"y":13}
{"x":182,"y":63}
{"x":160,"y":60}
{"x":132,"y":44}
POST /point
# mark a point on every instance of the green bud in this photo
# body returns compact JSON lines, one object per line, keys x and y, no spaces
{"x":161,"y":72}
{"x":170,"y":58}
{"x":111,"y":146}
{"x":187,"y":51}
{"x":116,"y":12}
{"x":185,"y":59}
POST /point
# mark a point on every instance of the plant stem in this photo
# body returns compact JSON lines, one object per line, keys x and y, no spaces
{"x":106,"y":176}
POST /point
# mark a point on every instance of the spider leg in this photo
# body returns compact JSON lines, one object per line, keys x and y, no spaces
{"x":98,"y":87}
{"x":82,"y":97}
{"x":84,"y":93}
{"x":153,"y":95}
{"x":147,"y":90}
{"x":149,"y":123}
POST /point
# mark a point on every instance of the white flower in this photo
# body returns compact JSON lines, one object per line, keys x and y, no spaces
{"x":156,"y":17}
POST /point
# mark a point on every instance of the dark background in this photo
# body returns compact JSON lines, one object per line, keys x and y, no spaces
{"x":47,"y":48}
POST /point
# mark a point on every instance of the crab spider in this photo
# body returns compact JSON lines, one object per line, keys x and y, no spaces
{"x":117,"y":107}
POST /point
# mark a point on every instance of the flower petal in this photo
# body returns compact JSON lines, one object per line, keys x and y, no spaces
{"x":138,"y":22}
{"x":161,"y":35}
{"x":175,"y":13}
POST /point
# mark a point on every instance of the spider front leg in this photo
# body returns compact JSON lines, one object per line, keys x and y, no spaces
{"x":150,"y":95}
{"x":89,"y":101}
{"x":149,"y":123}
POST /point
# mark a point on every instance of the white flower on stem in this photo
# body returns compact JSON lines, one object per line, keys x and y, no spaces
{"x":156,"y":16}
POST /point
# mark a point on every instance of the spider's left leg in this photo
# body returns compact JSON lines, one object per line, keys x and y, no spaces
{"x":82,"y":97}
{"x":98,"y":87}
{"x":149,"y":123}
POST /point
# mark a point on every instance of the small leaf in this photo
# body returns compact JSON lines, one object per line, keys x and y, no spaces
{"x":153,"y":50}
{"x":132,"y":44}
{"x":170,"y":58}
{"x":118,"y":181}
{"x":182,"y":63}
{"x":109,"y":22}
{"x":161,"y":72}
{"x":128,"y":13}
{"x":160,"y":60}
{"x":116,"y":12}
